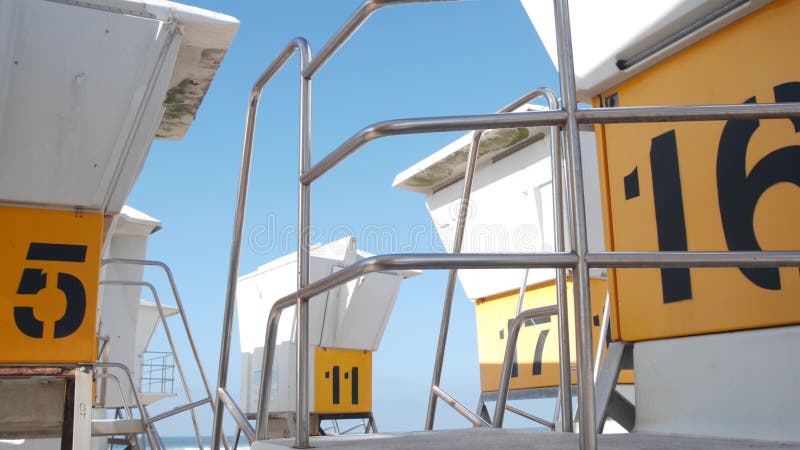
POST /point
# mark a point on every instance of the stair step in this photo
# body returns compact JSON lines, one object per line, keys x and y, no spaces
{"x":116,"y":427}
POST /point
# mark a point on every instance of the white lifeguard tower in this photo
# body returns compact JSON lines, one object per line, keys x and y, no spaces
{"x":346,"y":326}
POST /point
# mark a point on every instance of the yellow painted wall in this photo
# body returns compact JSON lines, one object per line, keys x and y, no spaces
{"x":342,"y":381}
{"x":48,"y":285}
{"x":493,"y":317}
{"x":739,"y":183}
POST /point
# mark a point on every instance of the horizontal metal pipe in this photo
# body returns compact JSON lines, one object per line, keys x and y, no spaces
{"x":178,"y":410}
{"x":508,"y":358}
{"x":349,"y":28}
{"x":396,"y":262}
{"x":409,"y":261}
{"x":384,"y":263}
{"x":687,"y":113}
{"x":459,"y":407}
{"x":542,"y":118}
{"x":431,"y":125}
{"x":237,"y":414}
{"x":693,"y":259}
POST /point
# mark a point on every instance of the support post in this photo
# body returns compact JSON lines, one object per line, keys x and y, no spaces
{"x":580,"y":279}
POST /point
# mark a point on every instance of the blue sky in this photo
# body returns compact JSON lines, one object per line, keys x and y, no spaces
{"x":406,"y":61}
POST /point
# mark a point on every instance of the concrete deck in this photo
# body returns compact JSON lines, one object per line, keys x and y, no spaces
{"x":485,"y":438}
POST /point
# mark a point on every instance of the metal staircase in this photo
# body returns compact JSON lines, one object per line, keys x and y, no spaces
{"x":596,"y":402}
{"x":58,"y":400}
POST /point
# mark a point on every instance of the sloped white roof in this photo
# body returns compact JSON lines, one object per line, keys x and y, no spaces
{"x":610,"y":31}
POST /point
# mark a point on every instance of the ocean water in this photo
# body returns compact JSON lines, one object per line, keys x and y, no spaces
{"x":190,"y":442}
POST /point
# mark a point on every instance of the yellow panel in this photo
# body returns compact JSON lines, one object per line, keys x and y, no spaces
{"x":342,"y":381}
{"x":718,"y":185}
{"x":537,"y":364}
{"x":48,"y":285}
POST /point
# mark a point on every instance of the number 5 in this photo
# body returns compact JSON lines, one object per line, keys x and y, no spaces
{"x":34,"y":280}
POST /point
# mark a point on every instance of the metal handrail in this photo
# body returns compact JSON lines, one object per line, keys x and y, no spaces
{"x":120,"y":391}
{"x":400,"y":262}
{"x":384,"y":263}
{"x":125,"y":405}
{"x":580,"y":259}
{"x":561,"y":290}
{"x":168,"y":334}
{"x":440,"y":124}
{"x":179,"y":304}
{"x":508,"y":357}
{"x":350,"y":27}
{"x":644,"y":114}
{"x":148,"y":426}
{"x":307,"y":70}
{"x":295,"y":45}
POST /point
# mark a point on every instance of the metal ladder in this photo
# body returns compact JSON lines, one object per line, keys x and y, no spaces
{"x":578,"y":257}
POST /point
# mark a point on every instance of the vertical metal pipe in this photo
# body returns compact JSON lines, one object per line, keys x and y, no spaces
{"x":233,"y":267}
{"x":267,"y":361}
{"x":447,"y":308}
{"x":557,"y":182}
{"x":303,"y":262}
{"x":583,"y":330}
{"x":297,"y":44}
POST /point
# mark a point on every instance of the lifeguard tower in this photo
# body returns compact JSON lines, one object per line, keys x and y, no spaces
{"x":85,"y":89}
{"x":346,"y":327}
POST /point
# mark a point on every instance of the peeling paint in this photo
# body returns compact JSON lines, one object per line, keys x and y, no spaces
{"x":493,"y":142}
{"x":197,"y":67}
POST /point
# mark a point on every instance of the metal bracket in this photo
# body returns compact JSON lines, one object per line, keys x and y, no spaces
{"x":608,"y":401}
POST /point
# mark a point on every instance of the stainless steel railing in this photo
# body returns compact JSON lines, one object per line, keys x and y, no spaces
{"x":579,"y":258}
{"x":163,"y":319}
{"x":436,"y":392}
{"x":187,"y":330}
{"x":508,"y":358}
{"x":158,"y":372}
{"x":296,"y":45}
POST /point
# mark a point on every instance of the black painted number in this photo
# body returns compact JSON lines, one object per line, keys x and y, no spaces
{"x":352,"y":375}
{"x":34,"y":280}
{"x":738,"y":191}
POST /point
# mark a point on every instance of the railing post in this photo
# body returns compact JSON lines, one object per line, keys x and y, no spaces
{"x":583,"y":312}
{"x":303,"y":263}
{"x":469,"y":174}
{"x":296,"y":44}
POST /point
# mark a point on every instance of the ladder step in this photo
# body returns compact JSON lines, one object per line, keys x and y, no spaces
{"x":117,"y":427}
